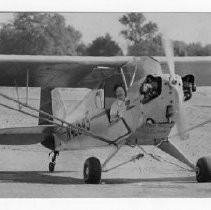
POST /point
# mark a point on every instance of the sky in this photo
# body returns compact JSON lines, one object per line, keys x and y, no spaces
{"x":188,"y":27}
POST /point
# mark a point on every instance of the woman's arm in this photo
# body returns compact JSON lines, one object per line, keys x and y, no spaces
{"x":113,"y":112}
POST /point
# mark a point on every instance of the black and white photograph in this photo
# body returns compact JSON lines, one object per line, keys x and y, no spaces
{"x":105,"y":105}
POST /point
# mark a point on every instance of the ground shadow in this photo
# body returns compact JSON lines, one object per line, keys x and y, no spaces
{"x":44,"y":177}
{"x":38,"y":177}
{"x":189,"y":179}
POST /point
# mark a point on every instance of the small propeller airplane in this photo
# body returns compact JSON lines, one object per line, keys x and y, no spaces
{"x":148,"y":120}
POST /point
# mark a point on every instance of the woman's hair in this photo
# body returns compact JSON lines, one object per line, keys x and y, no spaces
{"x":119,"y":85}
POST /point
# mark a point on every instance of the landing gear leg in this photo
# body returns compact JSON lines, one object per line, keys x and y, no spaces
{"x":53,"y":162}
{"x":113,"y":153}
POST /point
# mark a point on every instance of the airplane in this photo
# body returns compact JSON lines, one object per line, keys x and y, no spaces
{"x":150,"y":116}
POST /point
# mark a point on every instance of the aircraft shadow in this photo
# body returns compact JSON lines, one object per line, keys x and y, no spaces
{"x":38,"y":177}
{"x":190,"y":179}
{"x":44,"y":177}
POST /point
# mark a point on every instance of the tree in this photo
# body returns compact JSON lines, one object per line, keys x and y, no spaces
{"x":104,"y":46}
{"x":180,"y":48}
{"x":143,"y":36}
{"x":207,"y":50}
{"x":39,"y":33}
{"x":81,"y":49}
{"x":137,"y":30}
{"x":195,"y":49}
{"x":150,"y":47}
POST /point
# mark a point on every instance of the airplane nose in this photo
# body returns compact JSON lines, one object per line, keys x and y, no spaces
{"x":172,"y":81}
{"x":175,"y":80}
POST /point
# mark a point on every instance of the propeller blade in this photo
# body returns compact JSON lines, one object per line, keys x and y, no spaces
{"x":181,"y":122}
{"x":181,"y":119}
{"x":169,"y":52}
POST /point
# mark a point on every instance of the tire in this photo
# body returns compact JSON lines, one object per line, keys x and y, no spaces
{"x":92,"y":171}
{"x":203,"y":169}
{"x":51,"y":166}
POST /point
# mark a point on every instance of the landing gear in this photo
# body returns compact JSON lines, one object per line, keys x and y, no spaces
{"x":203,"y":169}
{"x":53,"y":163}
{"x":92,"y":171}
{"x":51,"y":166}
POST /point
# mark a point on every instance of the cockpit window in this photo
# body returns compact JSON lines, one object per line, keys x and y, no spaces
{"x":150,"y":88}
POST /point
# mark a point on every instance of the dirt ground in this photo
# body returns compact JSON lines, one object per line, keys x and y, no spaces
{"x":24,"y":169}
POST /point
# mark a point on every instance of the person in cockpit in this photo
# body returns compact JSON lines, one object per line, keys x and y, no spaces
{"x":119,"y":106}
{"x":149,"y":89}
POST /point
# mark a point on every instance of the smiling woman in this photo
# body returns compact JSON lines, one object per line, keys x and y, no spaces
{"x":119,"y":106}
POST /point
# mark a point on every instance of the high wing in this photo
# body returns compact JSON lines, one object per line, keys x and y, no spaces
{"x":52,"y":71}
{"x":74,"y":71}
{"x":25,"y":135}
{"x":67,"y":71}
{"x":199,"y":66}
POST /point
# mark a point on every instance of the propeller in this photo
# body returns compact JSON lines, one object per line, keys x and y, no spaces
{"x":181,"y":122}
{"x":181,"y":118}
{"x":168,"y":48}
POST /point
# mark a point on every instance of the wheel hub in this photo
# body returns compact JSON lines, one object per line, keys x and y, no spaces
{"x":87,"y":171}
{"x":197,"y":171}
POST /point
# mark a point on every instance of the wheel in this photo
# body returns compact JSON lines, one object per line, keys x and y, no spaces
{"x":92,"y":171}
{"x":203,"y":169}
{"x":51,"y":166}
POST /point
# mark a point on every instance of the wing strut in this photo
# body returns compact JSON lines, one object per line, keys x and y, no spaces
{"x":134,"y":74}
{"x":123,"y":77}
{"x":17,"y":93}
{"x":27,"y":85}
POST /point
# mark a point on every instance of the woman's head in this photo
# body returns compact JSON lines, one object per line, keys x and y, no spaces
{"x":120,"y":92}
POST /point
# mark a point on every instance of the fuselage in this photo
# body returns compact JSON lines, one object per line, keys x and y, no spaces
{"x":150,"y":115}
{"x":146,"y":120}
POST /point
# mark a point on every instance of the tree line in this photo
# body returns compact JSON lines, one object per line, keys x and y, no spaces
{"x":47,"y":34}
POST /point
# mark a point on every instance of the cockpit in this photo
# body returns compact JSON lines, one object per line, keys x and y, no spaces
{"x":150,"y":88}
